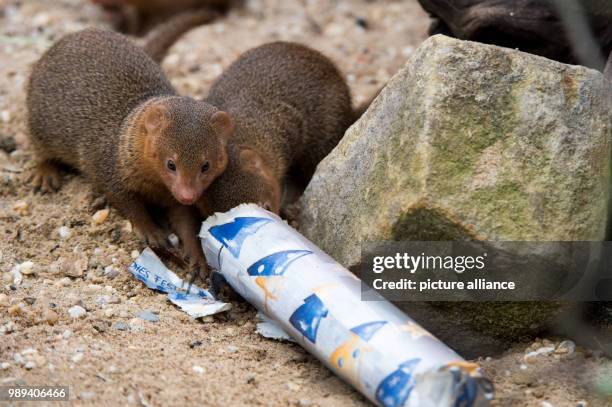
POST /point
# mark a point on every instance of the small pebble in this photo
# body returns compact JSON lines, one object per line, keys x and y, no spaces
{"x":149,"y":316}
{"x":21,"y":207}
{"x":6,"y":116}
{"x":566,"y":348}
{"x":121,"y":326}
{"x":50,"y":317}
{"x":5,"y":365}
{"x":111,"y":272}
{"x":362,"y":22}
{"x":64,"y":282}
{"x":76,"y":311}
{"x":195,"y":344}
{"x":231,"y":349}
{"x":30,"y":364}
{"x":64,"y":232}
{"x":127,"y":227}
{"x":17,"y":277}
{"x":92,"y":289}
{"x":174,"y":240}
{"x":304,"y":403}
{"x":546,"y":350}
{"x":293,"y":386}
{"x":77,"y":357}
{"x":67,"y":334}
{"x":8,"y":144}
{"x":198,"y":369}
{"x":8,"y":328}
{"x":19,"y":360}
{"x":134,"y":254}
{"x":27,"y":268}
{"x":76,"y":268}
{"x":136,"y":324}
{"x":76,"y":301}
{"x":114,"y":300}
{"x":101,"y":326}
{"x":16,"y":309}
{"x":100,"y":216}
{"x":102,"y":301}
{"x":4,"y":300}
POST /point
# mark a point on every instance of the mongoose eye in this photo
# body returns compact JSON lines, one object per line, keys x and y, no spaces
{"x":205,"y":166}
{"x":171,"y":165}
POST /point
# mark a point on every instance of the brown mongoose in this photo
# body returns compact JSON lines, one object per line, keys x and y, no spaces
{"x":100,"y":104}
{"x":138,"y":16}
{"x":291,"y":106}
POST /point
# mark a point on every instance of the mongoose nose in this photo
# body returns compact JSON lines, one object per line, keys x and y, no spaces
{"x":186,"y":197}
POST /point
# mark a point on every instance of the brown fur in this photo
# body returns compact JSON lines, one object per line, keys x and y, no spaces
{"x":291,"y":107}
{"x":139,"y":16}
{"x":99,"y":103}
{"x":159,"y":40}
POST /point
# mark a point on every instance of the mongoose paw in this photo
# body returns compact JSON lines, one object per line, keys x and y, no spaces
{"x":196,"y":261}
{"x":98,"y":203}
{"x":199,"y":270}
{"x":46,"y":178}
{"x":157,"y":238}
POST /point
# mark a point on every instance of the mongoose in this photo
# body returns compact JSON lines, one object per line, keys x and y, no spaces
{"x":291,"y":106}
{"x":136,"y":17}
{"x":100,"y":104}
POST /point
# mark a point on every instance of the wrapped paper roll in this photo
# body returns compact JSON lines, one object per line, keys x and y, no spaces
{"x":370,"y":344}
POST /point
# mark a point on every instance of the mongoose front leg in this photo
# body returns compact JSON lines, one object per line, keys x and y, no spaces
{"x":46,"y":177}
{"x":136,"y":212}
{"x":185,"y":222}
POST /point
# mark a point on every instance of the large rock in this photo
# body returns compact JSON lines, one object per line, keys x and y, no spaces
{"x":470,"y":141}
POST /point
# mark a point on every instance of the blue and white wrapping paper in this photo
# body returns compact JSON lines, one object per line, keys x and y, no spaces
{"x":192,"y":299}
{"x":372,"y":345}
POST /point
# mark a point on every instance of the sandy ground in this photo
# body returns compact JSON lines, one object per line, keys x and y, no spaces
{"x":177,"y":361}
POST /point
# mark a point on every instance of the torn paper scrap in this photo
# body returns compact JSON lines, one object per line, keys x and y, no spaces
{"x":192,"y":299}
{"x":269,"y":328}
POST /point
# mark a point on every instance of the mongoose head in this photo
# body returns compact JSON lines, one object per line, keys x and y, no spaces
{"x":248,"y":179}
{"x":186,"y":144}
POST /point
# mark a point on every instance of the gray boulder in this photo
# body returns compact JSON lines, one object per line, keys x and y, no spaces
{"x":470,"y":141}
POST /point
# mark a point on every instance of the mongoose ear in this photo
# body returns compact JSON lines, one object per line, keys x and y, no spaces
{"x":222,"y":124}
{"x":252,"y":160}
{"x":154,"y":118}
